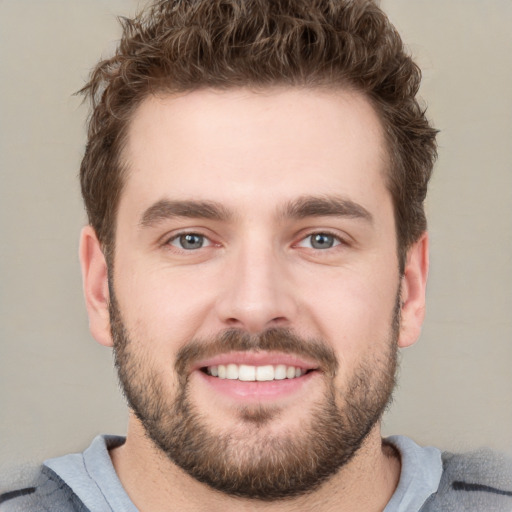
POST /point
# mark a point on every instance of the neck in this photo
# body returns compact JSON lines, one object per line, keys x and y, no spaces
{"x":155,"y":484}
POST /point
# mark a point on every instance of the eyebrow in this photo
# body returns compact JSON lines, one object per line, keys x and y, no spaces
{"x":325,"y":206}
{"x":169,"y":209}
{"x":301,"y":208}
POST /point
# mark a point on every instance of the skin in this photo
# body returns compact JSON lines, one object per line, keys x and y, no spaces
{"x":254,"y":153}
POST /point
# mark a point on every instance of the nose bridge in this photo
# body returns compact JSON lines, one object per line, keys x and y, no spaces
{"x":254,"y":295}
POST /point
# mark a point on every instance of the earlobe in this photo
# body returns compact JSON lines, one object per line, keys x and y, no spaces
{"x":95,"y":283}
{"x":414,"y":282}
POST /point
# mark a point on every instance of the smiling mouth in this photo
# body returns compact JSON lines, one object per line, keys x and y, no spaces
{"x":249,"y":373}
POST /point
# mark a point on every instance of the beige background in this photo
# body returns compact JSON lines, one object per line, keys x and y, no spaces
{"x":57,"y":386}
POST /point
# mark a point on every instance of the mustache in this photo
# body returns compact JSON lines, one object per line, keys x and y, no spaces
{"x":272,"y":340}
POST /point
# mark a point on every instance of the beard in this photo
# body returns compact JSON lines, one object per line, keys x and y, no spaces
{"x":247,"y":459}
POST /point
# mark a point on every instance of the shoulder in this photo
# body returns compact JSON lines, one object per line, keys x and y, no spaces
{"x":46,"y":492}
{"x":476,"y":481}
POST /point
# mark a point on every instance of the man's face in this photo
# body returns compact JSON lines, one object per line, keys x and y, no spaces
{"x":256,"y":240}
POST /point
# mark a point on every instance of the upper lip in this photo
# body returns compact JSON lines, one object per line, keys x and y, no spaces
{"x":256,"y":358}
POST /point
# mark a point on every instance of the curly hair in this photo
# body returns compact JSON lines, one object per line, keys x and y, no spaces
{"x":182,"y":45}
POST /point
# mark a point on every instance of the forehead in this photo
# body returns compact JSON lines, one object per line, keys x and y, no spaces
{"x":240,"y":146}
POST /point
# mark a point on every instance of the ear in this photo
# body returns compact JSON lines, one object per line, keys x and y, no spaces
{"x":95,"y":283}
{"x":414,"y":283}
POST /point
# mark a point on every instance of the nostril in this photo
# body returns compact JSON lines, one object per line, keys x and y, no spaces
{"x":233,"y":322}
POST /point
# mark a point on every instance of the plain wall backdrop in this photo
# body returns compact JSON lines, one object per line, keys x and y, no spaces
{"x":58,"y":388}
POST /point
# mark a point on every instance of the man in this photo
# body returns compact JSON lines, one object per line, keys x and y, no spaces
{"x":254,"y":179}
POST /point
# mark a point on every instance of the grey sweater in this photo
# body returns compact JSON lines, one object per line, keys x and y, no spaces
{"x":475,"y":482}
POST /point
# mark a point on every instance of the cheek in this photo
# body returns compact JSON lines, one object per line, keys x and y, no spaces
{"x":165,"y":306}
{"x":351,"y":313}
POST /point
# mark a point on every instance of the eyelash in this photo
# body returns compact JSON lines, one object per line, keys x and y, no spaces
{"x":337,"y":241}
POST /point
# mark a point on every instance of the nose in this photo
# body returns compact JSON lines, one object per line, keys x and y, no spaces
{"x":256,"y":290}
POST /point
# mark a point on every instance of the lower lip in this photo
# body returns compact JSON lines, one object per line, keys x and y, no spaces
{"x":256,"y":391}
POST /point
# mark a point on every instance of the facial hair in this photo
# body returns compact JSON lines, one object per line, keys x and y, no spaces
{"x":252,"y":462}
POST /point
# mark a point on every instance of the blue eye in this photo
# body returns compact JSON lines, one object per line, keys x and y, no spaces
{"x":189,"y":241}
{"x":320,"y":241}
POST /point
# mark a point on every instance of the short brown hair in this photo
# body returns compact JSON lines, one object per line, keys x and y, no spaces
{"x":182,"y":45}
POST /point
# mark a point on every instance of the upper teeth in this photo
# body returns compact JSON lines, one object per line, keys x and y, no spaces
{"x":254,"y":373}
